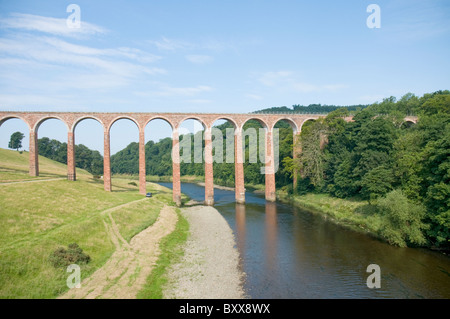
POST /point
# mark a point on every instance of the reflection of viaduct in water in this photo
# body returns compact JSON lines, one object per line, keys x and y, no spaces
{"x":268,"y":121}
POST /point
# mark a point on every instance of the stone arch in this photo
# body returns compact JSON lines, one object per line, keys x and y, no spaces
{"x":86,"y":117}
{"x":122,"y":117}
{"x":263,"y":123}
{"x":283,"y":179}
{"x":150,"y":131}
{"x":304,"y":121}
{"x":159,"y":117}
{"x":50,"y":117}
{"x":6,"y":118}
{"x":193,"y":117}
{"x":225,"y":118}
{"x":86,"y":142}
{"x":408,"y":124}
{"x":291,"y":123}
{"x":15,"y":126}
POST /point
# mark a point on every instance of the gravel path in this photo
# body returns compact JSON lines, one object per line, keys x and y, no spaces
{"x":210,"y":267}
{"x":125,"y":273}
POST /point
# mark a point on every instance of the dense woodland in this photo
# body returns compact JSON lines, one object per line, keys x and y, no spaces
{"x":401,"y":169}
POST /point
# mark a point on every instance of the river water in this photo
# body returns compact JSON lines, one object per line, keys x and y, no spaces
{"x":288,"y":253}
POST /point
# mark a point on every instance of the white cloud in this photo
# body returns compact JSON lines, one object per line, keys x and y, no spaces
{"x":288,"y":81}
{"x":166,"y":44}
{"x":199,"y":59}
{"x":42,"y":64}
{"x":55,"y":26}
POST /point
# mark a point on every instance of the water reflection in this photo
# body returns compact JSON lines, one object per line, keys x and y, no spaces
{"x":240,"y":232}
{"x":289,"y":253}
{"x":271,"y":239}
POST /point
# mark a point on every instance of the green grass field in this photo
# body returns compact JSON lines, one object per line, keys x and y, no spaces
{"x":38,"y":217}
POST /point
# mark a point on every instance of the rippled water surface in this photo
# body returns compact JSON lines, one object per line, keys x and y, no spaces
{"x":290,"y":253}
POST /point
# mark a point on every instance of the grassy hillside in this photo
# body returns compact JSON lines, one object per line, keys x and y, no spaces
{"x":37,"y":218}
{"x":14,"y":166}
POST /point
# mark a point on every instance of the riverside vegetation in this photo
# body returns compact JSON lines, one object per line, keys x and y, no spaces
{"x":36,"y":222}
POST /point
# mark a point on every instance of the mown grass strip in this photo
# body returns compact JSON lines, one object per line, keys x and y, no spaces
{"x":171,"y":252}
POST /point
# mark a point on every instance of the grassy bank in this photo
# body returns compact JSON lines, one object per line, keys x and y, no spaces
{"x":355,"y":214}
{"x":37,"y":218}
{"x":171,"y":253}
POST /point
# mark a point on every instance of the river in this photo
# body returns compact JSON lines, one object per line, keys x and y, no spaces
{"x":290,"y":253}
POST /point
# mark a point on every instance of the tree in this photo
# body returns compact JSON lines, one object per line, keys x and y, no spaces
{"x":312,"y":139}
{"x":377,"y":182}
{"x":402,"y":220}
{"x":16,"y":140}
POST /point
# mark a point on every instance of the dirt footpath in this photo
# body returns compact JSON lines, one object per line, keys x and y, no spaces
{"x":210,"y":267}
{"x":125,"y":273}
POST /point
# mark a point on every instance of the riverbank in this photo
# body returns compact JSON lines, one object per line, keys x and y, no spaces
{"x":351,"y":214}
{"x":210,"y":265}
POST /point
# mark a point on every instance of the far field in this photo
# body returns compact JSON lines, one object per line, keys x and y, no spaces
{"x":38,"y":217}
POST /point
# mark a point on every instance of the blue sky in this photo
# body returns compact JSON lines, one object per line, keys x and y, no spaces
{"x":212,"y":56}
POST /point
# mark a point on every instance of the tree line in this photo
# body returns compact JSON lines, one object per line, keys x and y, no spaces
{"x":311,"y":108}
{"x":401,"y":169}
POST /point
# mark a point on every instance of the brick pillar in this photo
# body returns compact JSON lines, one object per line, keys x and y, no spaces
{"x":269,"y":169}
{"x":71,"y":170}
{"x":176,"y":186}
{"x":239,"y":167}
{"x":209,"y":176}
{"x":34,"y":162}
{"x":296,"y":150}
{"x":142,"y":181}
{"x":106,"y":161}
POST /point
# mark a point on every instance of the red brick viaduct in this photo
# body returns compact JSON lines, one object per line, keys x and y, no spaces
{"x":71,"y":119}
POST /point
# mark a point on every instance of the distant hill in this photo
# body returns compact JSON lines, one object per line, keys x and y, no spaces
{"x":312,"y":108}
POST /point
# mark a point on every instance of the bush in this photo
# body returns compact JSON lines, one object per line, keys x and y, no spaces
{"x":402,"y":220}
{"x":73,"y":255}
{"x":132,"y":183}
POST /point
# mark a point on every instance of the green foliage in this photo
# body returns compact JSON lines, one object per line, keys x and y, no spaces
{"x":403,"y":220}
{"x":377,"y":152}
{"x":312,"y":108}
{"x":62,"y":257}
{"x":16,"y":140}
{"x":377,"y":182}
{"x":312,"y":157}
{"x":85,"y":158}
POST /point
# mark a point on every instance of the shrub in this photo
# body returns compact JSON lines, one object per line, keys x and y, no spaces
{"x":402,"y":220}
{"x":73,"y":255}
{"x":132,"y":183}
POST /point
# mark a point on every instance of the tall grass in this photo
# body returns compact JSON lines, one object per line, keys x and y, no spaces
{"x":37,"y":218}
